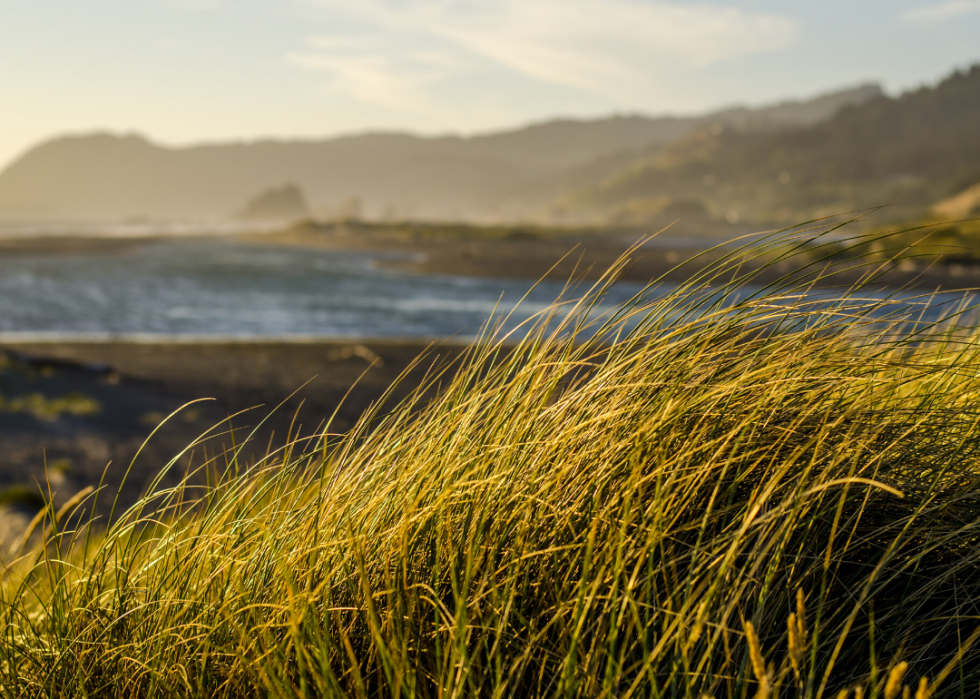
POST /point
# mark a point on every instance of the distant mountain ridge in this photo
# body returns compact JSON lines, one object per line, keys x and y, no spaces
{"x":500,"y":176}
{"x":910,"y":151}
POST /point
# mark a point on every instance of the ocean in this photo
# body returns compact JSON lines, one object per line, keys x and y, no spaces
{"x":223,"y":289}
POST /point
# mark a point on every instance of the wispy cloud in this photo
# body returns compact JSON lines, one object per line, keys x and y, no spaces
{"x":610,"y":48}
{"x":941,"y":11}
{"x":193,"y":4}
{"x":366,"y":69}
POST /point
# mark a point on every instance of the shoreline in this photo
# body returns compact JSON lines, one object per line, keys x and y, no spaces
{"x":41,"y":339}
{"x":562,"y":255}
{"x":510,"y":252}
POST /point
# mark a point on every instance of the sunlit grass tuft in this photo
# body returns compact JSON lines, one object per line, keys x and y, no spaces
{"x":721,"y":491}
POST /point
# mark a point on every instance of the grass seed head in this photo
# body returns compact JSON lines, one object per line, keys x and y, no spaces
{"x":800,"y":618}
{"x":893,"y":686}
{"x":795,"y":645}
{"x":755,"y":652}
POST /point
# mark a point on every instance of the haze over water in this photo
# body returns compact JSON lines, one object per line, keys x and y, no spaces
{"x":226,"y":290}
{"x":215,"y":289}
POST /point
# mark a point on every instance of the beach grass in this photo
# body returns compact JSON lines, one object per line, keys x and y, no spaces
{"x":723,"y":490}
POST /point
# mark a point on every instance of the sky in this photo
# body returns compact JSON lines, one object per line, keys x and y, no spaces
{"x":189,"y":71}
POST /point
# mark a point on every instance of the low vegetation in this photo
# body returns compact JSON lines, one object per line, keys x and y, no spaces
{"x":422,"y":232}
{"x":46,"y":408}
{"x":719,"y":491}
{"x":928,"y":242}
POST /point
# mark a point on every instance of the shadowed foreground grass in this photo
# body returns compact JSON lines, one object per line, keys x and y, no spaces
{"x":737,"y":494}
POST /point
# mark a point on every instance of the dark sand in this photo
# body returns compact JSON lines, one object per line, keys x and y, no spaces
{"x":531,"y":253}
{"x":69,"y":245}
{"x":561,"y":255}
{"x":137,"y":385}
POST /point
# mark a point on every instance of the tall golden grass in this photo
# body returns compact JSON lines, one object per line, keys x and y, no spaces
{"x":718,"y":491}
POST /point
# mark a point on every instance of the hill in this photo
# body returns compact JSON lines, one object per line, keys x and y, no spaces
{"x":961,"y":205}
{"x":913,"y":151}
{"x":281,"y":203}
{"x":500,"y":176}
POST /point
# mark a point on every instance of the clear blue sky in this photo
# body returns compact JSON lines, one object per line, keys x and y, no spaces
{"x":187,"y":71}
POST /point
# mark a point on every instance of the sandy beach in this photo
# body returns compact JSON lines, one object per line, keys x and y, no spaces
{"x":649,"y":253}
{"x":136,"y":385}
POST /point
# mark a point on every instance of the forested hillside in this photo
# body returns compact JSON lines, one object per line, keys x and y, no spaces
{"x":910,"y":151}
